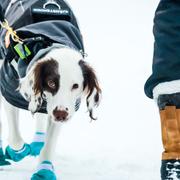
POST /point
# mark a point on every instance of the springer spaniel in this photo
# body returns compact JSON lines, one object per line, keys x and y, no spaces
{"x":60,"y":78}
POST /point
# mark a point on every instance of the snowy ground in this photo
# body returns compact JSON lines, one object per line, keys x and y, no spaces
{"x":125,"y":143}
{"x":73,"y":168}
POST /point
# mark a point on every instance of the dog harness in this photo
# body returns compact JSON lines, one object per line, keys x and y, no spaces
{"x":40,"y":25}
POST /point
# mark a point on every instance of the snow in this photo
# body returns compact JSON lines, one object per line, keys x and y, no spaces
{"x":125,"y":142}
{"x":90,"y":168}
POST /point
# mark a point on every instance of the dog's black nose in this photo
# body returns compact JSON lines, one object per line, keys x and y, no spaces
{"x":60,"y":115}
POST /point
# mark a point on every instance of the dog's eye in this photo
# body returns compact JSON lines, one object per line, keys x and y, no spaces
{"x":75,"y":86}
{"x":51,"y":84}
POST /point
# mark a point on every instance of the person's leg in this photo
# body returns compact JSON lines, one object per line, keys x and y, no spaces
{"x":170,"y":127}
{"x":164,"y":80}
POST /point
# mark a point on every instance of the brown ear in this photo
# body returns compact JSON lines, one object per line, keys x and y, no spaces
{"x":46,"y":70}
{"x":38,"y":71}
{"x":36,"y":99}
{"x":91,"y":87}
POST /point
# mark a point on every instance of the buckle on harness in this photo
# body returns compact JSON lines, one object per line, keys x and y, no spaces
{"x":51,"y":2}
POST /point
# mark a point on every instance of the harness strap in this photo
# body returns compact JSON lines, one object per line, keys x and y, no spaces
{"x":10,"y":30}
{"x":4,"y":24}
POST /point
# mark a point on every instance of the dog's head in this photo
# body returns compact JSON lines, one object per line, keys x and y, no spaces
{"x":61,"y":78}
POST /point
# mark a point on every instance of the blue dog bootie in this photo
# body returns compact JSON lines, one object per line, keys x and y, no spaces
{"x":17,"y":155}
{"x":3,"y":161}
{"x":37,"y":144}
{"x":45,"y":172}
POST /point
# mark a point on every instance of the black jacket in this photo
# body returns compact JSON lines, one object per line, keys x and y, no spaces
{"x":166,"y":59}
{"x":63,"y":30}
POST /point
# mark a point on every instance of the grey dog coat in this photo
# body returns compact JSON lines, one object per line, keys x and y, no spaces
{"x":19,"y":15}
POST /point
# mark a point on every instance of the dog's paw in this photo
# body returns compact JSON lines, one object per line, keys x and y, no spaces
{"x":38,"y":143}
{"x":45,"y":172}
{"x":17,"y":155}
{"x":3,"y":161}
{"x":36,"y":148}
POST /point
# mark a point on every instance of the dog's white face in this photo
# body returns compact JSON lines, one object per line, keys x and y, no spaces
{"x":62,"y":78}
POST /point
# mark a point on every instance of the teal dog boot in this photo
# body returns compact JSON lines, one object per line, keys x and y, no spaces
{"x":3,"y":161}
{"x":45,"y":172}
{"x":37,"y":144}
{"x":17,"y":155}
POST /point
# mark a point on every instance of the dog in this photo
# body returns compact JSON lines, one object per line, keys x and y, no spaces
{"x":51,"y":84}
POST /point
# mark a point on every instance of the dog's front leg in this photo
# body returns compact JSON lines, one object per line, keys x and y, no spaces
{"x":45,"y":169}
{"x":14,"y":137}
{"x":3,"y":160}
{"x":40,"y":132}
{"x":17,"y":149}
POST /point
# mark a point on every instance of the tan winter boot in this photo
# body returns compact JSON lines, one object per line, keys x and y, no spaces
{"x":170,"y":126}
